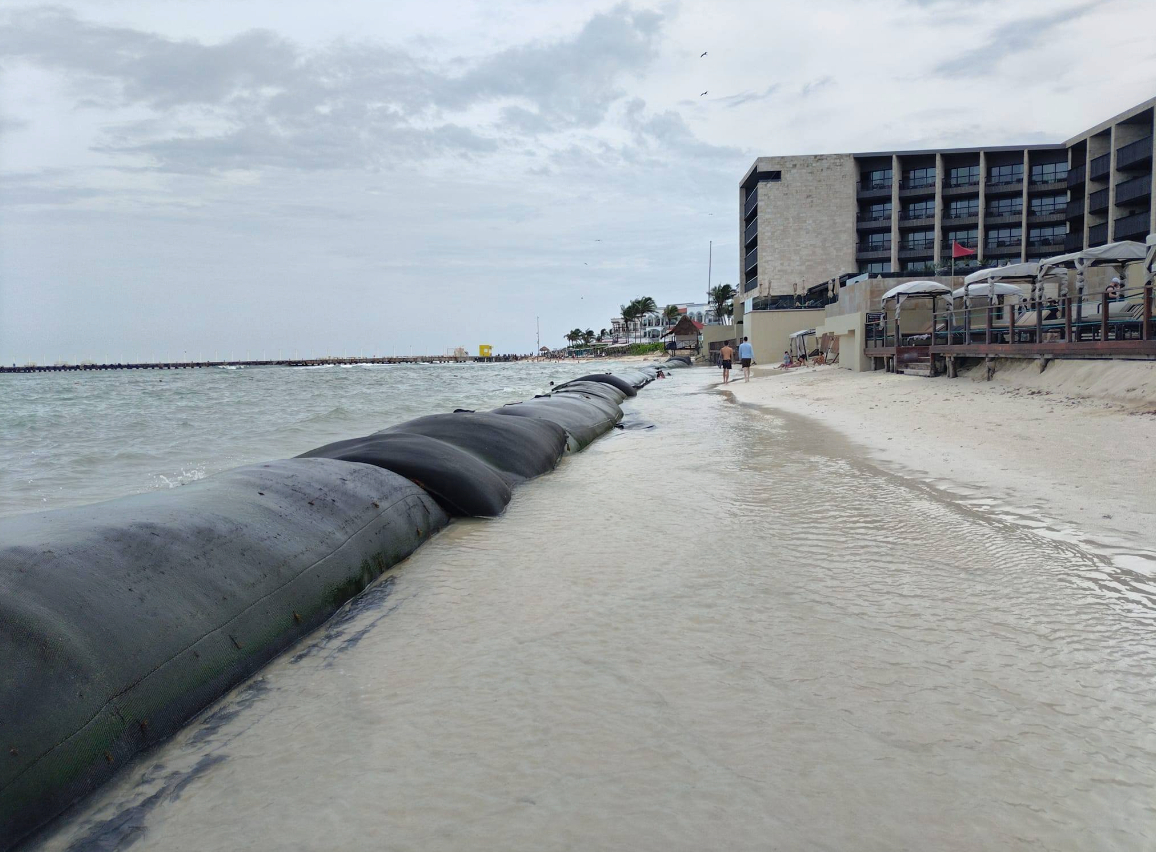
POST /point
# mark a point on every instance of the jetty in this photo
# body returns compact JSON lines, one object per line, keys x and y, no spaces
{"x":282,"y":362}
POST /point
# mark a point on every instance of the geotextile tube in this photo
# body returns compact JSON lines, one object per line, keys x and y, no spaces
{"x":462,"y":483}
{"x":517,"y":449}
{"x":583,"y":417}
{"x":121,"y":620}
{"x":622,"y":384}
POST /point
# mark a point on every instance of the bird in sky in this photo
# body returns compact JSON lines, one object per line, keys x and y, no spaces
{"x":704,"y":93}
{"x":703,"y":54}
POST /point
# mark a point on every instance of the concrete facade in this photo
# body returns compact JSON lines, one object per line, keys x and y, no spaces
{"x":769,"y":330}
{"x":783,"y":203}
{"x":807,"y":219}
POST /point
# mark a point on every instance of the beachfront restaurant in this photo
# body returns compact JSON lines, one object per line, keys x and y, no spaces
{"x":1094,"y":303}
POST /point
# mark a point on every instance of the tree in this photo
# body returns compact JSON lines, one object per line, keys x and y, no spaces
{"x":588,"y":336}
{"x":629,"y":315}
{"x":671,"y":314}
{"x":721,"y":299}
{"x":574,"y":335}
{"x":602,"y":334}
{"x":646,"y":306}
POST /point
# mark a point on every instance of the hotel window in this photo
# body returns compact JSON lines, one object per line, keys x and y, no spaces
{"x":962,"y":207}
{"x":1004,"y":237}
{"x":963,"y":176}
{"x":875,"y":212}
{"x":919,"y":240}
{"x":1010,"y":206}
{"x":919,"y":266}
{"x":877,"y":242}
{"x":1042,"y":205}
{"x":1047,"y":235}
{"x":878,"y":267}
{"x":920,"y":209}
{"x":967,"y":237}
{"x":1011,"y":173}
{"x":1049,"y":172}
{"x":877,"y":179}
{"x":917,"y":178}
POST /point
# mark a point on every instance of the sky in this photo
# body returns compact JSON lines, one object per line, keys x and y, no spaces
{"x":273,"y":178}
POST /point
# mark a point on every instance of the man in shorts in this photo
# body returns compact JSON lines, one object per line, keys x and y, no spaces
{"x":746,"y":355}
{"x":727,"y":356}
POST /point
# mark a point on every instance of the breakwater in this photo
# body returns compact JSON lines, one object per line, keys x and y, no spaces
{"x":122,"y":620}
{"x":280,"y":362}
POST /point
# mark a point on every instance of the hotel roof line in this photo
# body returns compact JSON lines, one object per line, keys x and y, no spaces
{"x":1039,"y":146}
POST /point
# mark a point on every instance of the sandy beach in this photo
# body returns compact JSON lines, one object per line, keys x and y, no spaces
{"x":1069,"y":448}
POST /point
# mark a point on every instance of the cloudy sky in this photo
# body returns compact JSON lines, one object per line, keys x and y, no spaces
{"x":228,"y":177}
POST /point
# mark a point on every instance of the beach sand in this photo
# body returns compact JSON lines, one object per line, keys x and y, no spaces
{"x":1074,"y":446}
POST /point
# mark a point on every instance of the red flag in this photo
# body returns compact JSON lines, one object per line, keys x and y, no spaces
{"x":959,"y":251}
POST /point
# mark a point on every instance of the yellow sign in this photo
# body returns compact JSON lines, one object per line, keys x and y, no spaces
{"x":485,"y":350}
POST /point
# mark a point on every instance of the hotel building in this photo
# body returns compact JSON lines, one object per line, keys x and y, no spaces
{"x":806,"y":219}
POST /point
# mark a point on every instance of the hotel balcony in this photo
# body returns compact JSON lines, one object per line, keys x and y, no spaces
{"x":1134,"y":154}
{"x":1134,"y":227}
{"x":1098,"y":235}
{"x":1012,"y":218}
{"x":1048,"y":185}
{"x":751,"y":203}
{"x":908,"y":219}
{"x":1002,"y":247}
{"x":954,"y":188}
{"x":1075,"y":208}
{"x":923,"y":249}
{"x":874,"y":223}
{"x":1054,"y":214}
{"x":1076,"y":176}
{"x":960,"y":219}
{"x":1004,"y":186}
{"x":752,"y":259}
{"x":1047,"y":246}
{"x":1098,"y":168}
{"x":1073,"y":242}
{"x":871,"y":252}
{"x":1132,"y":190}
{"x":751,"y":232}
{"x":874,"y":189}
{"x":917,"y":187}
{"x":1098,"y":201}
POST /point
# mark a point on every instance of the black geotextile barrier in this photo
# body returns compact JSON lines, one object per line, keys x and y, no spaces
{"x":607,"y":392}
{"x":121,"y":620}
{"x":583,"y":417}
{"x":517,"y":448}
{"x":460,"y":481}
{"x":622,"y":384}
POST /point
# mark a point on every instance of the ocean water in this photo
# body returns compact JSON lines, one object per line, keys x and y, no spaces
{"x":729,"y":631}
{"x":68,"y":439}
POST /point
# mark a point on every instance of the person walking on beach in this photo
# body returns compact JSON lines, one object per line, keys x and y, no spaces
{"x":727,"y":356}
{"x":746,"y":355}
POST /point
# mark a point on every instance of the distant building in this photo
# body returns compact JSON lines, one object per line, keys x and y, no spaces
{"x":804,"y":220}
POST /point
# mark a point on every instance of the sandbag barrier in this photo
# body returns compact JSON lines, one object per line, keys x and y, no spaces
{"x":122,"y":620}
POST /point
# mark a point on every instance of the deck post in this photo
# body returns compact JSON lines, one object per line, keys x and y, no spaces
{"x":1039,"y":320}
{"x":987,"y":331}
{"x":1011,"y":324}
{"x":1067,"y":319}
{"x":1104,"y":316}
{"x":1146,"y":314}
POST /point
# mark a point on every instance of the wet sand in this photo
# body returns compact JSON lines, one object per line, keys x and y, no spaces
{"x":732,"y":631}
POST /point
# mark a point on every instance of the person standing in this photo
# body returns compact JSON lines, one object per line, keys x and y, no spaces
{"x":726,"y":355}
{"x":746,"y":355}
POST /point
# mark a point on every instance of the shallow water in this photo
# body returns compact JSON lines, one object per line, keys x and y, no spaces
{"x":70,"y":439}
{"x":726,"y":632}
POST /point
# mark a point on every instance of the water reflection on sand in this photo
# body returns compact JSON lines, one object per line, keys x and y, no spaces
{"x":725,"y":632}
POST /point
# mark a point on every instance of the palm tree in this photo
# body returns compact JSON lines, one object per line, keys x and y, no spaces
{"x":647,"y":306}
{"x":629,"y":315}
{"x":574,"y":336}
{"x":671,"y":314}
{"x":602,"y":334}
{"x":721,"y":297}
{"x":588,"y":336}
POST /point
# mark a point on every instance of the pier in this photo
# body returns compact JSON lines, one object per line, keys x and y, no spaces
{"x":284,"y":362}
